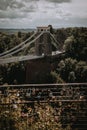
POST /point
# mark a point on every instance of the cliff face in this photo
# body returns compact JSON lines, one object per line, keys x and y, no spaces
{"x":38,"y":71}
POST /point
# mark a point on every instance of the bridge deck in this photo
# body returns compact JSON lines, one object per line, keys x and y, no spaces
{"x":19,"y":58}
{"x":24,"y":58}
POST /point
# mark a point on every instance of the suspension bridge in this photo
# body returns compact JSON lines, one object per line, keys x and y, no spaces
{"x":43,"y":40}
{"x":69,"y":101}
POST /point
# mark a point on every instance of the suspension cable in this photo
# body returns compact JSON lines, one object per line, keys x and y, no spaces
{"x":12,"y":49}
{"x":53,"y":43}
{"x":54,"y":38}
{"x":26,"y":45}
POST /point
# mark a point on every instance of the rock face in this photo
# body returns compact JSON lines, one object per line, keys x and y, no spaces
{"x":38,"y":71}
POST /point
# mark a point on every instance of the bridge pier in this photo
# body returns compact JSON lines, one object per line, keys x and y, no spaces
{"x":43,"y":45}
{"x":47,"y":44}
{"x":38,"y":71}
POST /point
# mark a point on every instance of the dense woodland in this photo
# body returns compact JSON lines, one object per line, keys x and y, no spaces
{"x":72,"y":67}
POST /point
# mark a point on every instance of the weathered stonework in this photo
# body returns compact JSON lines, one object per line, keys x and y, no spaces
{"x":38,"y":71}
{"x":43,"y":45}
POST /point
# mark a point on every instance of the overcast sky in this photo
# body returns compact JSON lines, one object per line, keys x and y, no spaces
{"x":32,"y":13}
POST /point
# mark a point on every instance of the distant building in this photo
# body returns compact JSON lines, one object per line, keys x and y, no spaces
{"x":43,"y":28}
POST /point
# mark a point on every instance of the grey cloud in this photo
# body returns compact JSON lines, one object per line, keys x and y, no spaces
{"x":31,"y":0}
{"x":4,"y":4}
{"x":11,"y":15}
{"x":30,"y":9}
{"x":13,"y":9}
{"x":59,"y":1}
{"x":79,"y":21}
{"x":16,"y":4}
{"x":14,"y":13}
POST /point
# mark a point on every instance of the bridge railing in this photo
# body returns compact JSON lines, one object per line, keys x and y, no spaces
{"x":51,"y":105}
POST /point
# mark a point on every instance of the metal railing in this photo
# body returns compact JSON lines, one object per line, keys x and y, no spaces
{"x":43,"y":106}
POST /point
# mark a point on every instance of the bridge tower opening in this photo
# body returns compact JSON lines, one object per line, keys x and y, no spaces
{"x":43,"y":44}
{"x":45,"y":29}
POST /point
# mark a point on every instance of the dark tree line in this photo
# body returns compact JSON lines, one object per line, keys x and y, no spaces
{"x":72,"y":68}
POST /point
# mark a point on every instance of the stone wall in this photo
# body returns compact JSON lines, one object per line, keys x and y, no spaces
{"x":38,"y":71}
{"x":43,"y":45}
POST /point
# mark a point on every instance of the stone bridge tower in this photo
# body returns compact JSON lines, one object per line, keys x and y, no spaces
{"x":43,"y":44}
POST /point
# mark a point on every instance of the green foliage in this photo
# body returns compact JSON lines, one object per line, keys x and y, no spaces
{"x":66,"y":68}
{"x":27,"y":35}
{"x":68,"y":44}
{"x":56,"y":78}
{"x":81,"y":71}
{"x":8,"y":41}
{"x":70,"y":70}
{"x":42,"y":116}
{"x":11,"y":72}
{"x":61,"y":35}
{"x":76,"y":46}
{"x":19,"y":34}
{"x":73,"y":40}
{"x":51,"y":28}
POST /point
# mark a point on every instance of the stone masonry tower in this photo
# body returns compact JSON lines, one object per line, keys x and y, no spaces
{"x":43,"y":44}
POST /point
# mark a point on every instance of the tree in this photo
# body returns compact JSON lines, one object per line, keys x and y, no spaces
{"x":19,"y":34}
{"x":71,"y":77}
{"x":66,"y":69}
{"x":69,"y":45}
{"x":76,"y":46}
{"x":56,"y":78}
{"x":81,"y":71}
{"x":51,"y":28}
